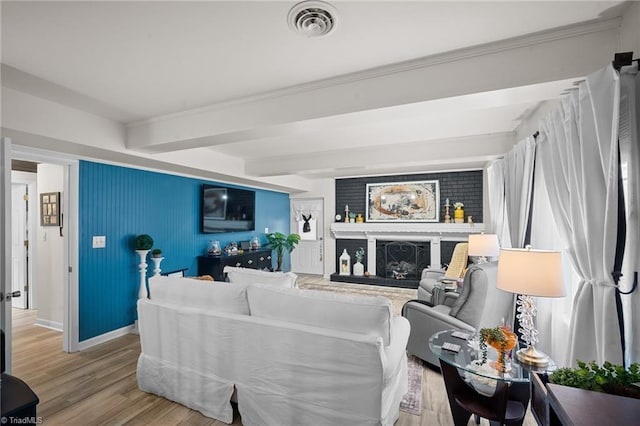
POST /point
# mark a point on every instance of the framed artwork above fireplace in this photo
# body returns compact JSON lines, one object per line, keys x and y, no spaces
{"x":417,"y":201}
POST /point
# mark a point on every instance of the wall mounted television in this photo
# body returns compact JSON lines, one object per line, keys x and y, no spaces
{"x":227,"y":209}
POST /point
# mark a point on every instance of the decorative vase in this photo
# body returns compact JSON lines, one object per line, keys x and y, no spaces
{"x":503,"y":349}
{"x":458,"y":215}
{"x":156,"y":262}
{"x":359,"y":218}
{"x":142,"y":266}
{"x":214,"y":248}
{"x":255,"y":243}
{"x":345,"y":263}
{"x":358,"y":269}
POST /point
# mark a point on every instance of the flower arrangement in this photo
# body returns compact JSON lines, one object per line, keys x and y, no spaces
{"x":359,"y":255}
{"x":502,"y":339}
{"x":458,"y":205}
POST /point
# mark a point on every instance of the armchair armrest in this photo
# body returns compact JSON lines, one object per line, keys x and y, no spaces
{"x":432,"y":273}
{"x":450,"y":298}
{"x":425,"y":322}
{"x":436,"y":318}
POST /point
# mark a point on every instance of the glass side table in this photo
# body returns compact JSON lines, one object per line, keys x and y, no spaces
{"x":478,"y":389}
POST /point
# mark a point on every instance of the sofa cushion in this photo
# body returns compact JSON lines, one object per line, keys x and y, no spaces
{"x":199,"y":294}
{"x":357,"y":314}
{"x":253,"y":276}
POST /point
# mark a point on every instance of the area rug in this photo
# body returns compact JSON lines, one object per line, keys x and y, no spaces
{"x":411,"y":402}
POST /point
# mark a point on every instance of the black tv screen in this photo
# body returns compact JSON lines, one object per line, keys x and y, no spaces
{"x":227,"y":209}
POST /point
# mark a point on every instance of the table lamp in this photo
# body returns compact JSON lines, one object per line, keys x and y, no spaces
{"x":483,"y":246}
{"x":528,"y":273}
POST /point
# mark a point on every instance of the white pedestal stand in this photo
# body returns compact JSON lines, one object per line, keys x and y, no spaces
{"x":156,"y":269}
{"x":142,"y":291}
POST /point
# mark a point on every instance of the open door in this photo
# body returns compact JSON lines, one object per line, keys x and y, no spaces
{"x":307,"y":221}
{"x":5,"y":247}
{"x":19,"y":244}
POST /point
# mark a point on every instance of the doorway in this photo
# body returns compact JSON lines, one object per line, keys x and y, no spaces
{"x":307,"y":221}
{"x":63,"y":265}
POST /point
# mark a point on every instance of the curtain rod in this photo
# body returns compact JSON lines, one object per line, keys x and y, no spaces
{"x":623,"y":59}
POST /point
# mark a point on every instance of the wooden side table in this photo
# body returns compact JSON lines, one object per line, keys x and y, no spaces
{"x":572,"y":406}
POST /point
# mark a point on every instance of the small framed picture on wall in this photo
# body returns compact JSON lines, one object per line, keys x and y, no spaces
{"x":50,"y":209}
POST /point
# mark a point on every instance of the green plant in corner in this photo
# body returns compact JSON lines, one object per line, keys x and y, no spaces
{"x":279,"y":242}
{"x":156,"y":253}
{"x":143,"y":242}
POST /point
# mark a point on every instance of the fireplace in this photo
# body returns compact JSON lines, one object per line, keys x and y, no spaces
{"x":396,"y":254}
{"x":401,"y":260}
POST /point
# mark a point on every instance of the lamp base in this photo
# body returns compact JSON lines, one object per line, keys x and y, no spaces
{"x":531,"y":356}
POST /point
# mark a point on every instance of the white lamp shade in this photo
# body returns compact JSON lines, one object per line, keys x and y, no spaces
{"x":531,"y":272}
{"x":484,"y":245}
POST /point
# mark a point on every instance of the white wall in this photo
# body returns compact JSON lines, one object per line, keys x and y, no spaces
{"x":630,"y":30}
{"x":49,"y":254}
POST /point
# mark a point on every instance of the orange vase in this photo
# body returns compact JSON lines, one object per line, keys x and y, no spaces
{"x":511,"y":341}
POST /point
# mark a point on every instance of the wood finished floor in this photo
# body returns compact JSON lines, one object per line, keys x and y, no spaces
{"x":98,"y":386}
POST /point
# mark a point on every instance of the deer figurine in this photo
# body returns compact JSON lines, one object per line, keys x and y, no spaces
{"x":306,"y":227}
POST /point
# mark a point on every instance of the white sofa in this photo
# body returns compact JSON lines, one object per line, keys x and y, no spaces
{"x":295,"y":357}
{"x":253,"y":276}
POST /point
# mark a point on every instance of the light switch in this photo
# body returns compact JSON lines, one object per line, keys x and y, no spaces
{"x":266,"y":230}
{"x":99,"y":241}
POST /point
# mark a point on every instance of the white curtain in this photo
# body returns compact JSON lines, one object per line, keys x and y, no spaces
{"x":497,"y":203}
{"x":518,"y":179}
{"x":578,"y":147}
{"x":630,"y":160}
{"x":552,"y":321}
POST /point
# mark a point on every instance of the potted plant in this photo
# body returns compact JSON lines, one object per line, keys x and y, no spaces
{"x":156,"y":252}
{"x":143,"y":242}
{"x":502,"y":339}
{"x":279,"y":242}
{"x":608,"y":378}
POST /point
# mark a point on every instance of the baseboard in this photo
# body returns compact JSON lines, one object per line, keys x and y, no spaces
{"x":86,"y":344}
{"x":52,"y":325}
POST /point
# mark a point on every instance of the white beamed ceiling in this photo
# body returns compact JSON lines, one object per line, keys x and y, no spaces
{"x":225,"y":90}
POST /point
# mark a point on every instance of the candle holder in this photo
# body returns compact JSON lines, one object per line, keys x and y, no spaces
{"x":447,"y":215}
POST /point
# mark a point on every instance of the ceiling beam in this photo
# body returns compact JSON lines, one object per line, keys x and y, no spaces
{"x":547,"y":56}
{"x":415,"y":155}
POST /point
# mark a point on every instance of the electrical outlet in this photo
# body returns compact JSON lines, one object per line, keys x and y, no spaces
{"x":99,"y":241}
{"x":266,"y":230}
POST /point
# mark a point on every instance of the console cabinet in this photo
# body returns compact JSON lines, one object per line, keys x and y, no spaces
{"x":254,"y":259}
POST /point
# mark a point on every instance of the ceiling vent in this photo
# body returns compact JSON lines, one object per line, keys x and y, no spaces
{"x":312,"y":18}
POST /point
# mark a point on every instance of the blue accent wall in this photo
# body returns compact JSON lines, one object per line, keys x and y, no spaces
{"x":120,"y":203}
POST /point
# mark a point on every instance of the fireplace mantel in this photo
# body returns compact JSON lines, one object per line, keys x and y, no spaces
{"x":432,"y":232}
{"x":405,"y":231}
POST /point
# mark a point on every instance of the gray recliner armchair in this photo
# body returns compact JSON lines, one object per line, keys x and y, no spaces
{"x":432,"y":277}
{"x":479,"y":305}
